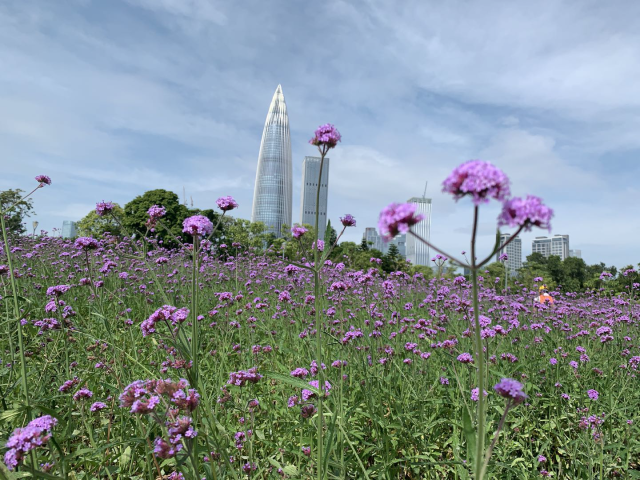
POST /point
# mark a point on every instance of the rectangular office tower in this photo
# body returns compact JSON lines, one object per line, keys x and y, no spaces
{"x":310,"y":174}
{"x":513,"y":251}
{"x":417,"y":251}
{"x":69,"y":229}
{"x":555,"y":245}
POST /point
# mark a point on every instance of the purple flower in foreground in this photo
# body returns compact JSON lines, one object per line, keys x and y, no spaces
{"x":465,"y":358}
{"x":480,"y":179}
{"x":197,"y":225}
{"x":102,"y":208}
{"x":43,"y":179}
{"x":528,"y":212}
{"x":156,"y":212}
{"x":542,"y":459}
{"x":593,"y":394}
{"x":397,"y":218}
{"x":510,"y":389}
{"x":97,"y":406}
{"x":58,"y":290}
{"x":23,"y":440}
{"x":327,"y":135}
{"x":226,"y":203}
{"x":320,"y":245}
{"x":503,"y":258}
{"x":85,"y":243}
{"x":82,"y":393}
{"x":298,"y":231}
{"x":475,"y":394}
{"x":348,"y":220}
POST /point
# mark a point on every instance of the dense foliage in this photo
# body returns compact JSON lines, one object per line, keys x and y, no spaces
{"x":400,"y":400}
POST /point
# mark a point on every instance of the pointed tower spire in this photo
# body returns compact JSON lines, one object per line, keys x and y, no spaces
{"x":272,"y":197}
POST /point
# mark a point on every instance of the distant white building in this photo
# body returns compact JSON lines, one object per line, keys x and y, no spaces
{"x":310,"y":174}
{"x":373,"y":238}
{"x":69,"y":229}
{"x":513,"y":251}
{"x":575,"y":253}
{"x":418,"y":253}
{"x":555,"y":245}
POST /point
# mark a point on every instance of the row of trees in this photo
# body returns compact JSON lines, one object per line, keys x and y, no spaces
{"x":573,"y":274}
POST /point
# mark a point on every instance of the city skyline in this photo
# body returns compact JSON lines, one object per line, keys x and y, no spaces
{"x":132,"y":97}
{"x":419,"y":253}
{"x":273,"y":193}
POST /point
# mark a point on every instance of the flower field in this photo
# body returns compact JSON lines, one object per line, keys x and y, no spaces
{"x":110,"y":332}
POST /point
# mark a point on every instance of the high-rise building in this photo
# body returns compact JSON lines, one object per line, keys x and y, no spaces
{"x":69,"y":229}
{"x":418,"y":252}
{"x":554,"y":245}
{"x":272,"y":196}
{"x":575,"y":253}
{"x":513,"y":251}
{"x":310,"y":174}
{"x":373,"y":238}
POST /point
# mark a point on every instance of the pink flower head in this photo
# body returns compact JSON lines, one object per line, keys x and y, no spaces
{"x":86,"y":243}
{"x":528,"y":212}
{"x":326,"y":135}
{"x":298,"y":231}
{"x":348,"y":220}
{"x":156,"y":212}
{"x":397,"y":218}
{"x":510,"y":389}
{"x":43,"y":179}
{"x":480,"y":179}
{"x":593,"y":394}
{"x":197,"y":225}
{"x":102,"y":208}
{"x":226,"y":203}
{"x":320,"y":245}
{"x":23,"y":440}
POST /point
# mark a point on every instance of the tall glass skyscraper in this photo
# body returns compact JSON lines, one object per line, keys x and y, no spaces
{"x":272,"y":196}
{"x":310,"y":174}
{"x":69,"y":229}
{"x":418,"y":252}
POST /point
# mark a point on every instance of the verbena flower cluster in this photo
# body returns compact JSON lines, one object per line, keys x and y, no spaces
{"x":103,"y":208}
{"x":510,"y":389}
{"x":43,"y":180}
{"x":23,"y":440}
{"x":398,"y":218}
{"x":197,"y":225}
{"x":226,"y":203}
{"x":326,"y":135}
{"x":167,"y":314}
{"x":167,"y":400}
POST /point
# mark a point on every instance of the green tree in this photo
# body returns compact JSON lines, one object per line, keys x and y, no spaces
{"x":93,"y":225}
{"x":22,"y":209}
{"x":246,"y":233}
{"x":574,"y":273}
{"x":391,"y":260}
{"x":135,"y":215}
{"x":364,"y":245}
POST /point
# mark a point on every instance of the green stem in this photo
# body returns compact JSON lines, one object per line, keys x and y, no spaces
{"x":316,"y":291}
{"x":16,"y":311}
{"x":479,"y":353}
{"x":194,"y":313}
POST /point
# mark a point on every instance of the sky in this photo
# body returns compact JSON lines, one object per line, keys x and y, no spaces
{"x":111,"y":99}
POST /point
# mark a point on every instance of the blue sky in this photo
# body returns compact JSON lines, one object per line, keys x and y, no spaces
{"x":115,"y":98}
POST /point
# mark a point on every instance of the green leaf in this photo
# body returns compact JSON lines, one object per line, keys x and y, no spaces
{"x":293,"y":381}
{"x":290,"y":470}
{"x":469,"y":435}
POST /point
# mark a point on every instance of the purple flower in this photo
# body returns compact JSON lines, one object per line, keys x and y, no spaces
{"x":503,"y":258}
{"x":475,"y":394}
{"x":243,"y":377}
{"x":97,"y":406}
{"x":397,"y":218}
{"x":510,"y":389}
{"x":326,"y":135}
{"x":197,"y":225}
{"x":4,"y":269}
{"x":542,"y":459}
{"x":480,"y":179}
{"x":348,"y":220}
{"x":226,"y":203}
{"x":320,"y":245}
{"x":156,"y":212}
{"x":593,"y":394}
{"x":553,"y":361}
{"x":58,"y":290}
{"x":82,"y":393}
{"x":526,"y":213}
{"x":43,"y":179}
{"x":85,"y":243}
{"x":298,"y":231}
{"x":23,"y":440}
{"x":102,"y":208}
{"x":465,"y":358}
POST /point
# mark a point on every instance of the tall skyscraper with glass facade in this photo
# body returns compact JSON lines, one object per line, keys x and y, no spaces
{"x":417,"y":252}
{"x":69,"y":229}
{"x":310,"y":174}
{"x":513,"y":251}
{"x":272,"y":196}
